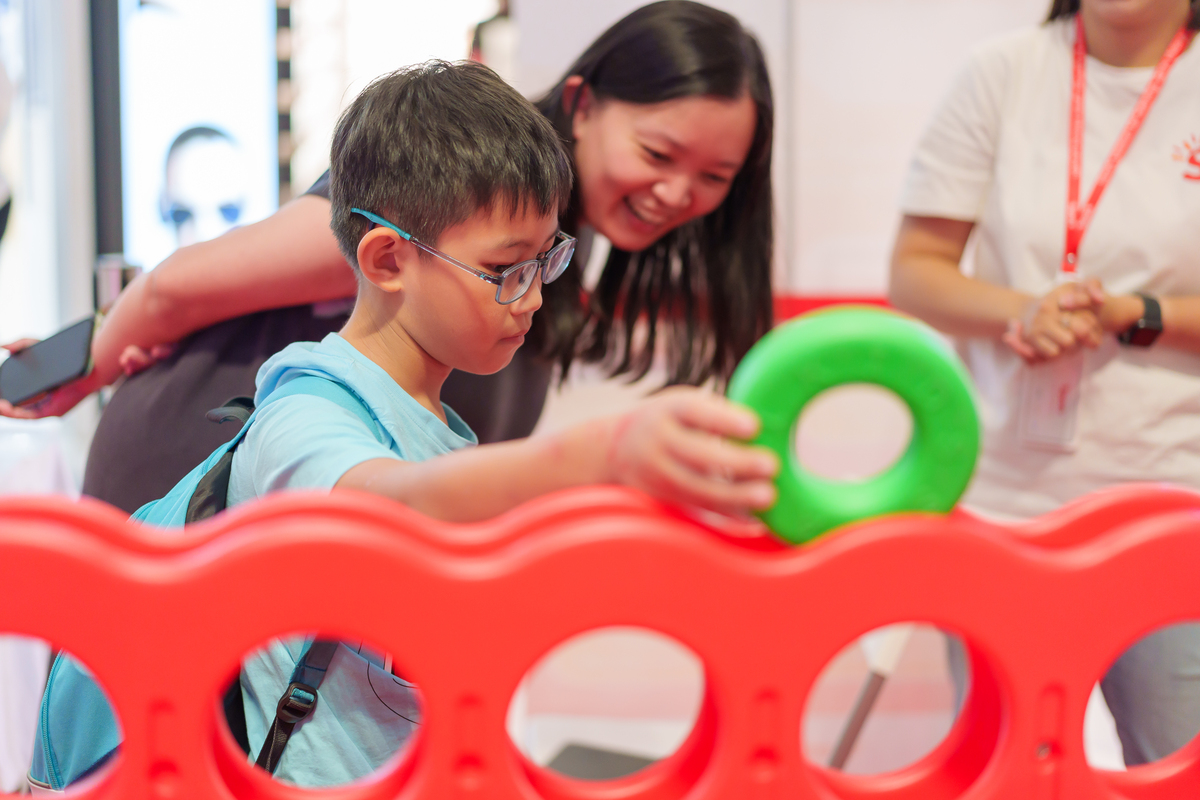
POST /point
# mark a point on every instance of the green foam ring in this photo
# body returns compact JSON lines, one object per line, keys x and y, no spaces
{"x":797,"y":361}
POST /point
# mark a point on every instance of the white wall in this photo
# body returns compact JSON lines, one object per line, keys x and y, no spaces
{"x":867,"y":74}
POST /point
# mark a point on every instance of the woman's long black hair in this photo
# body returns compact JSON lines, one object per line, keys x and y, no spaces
{"x":706,"y":285}
{"x":1065,"y":8}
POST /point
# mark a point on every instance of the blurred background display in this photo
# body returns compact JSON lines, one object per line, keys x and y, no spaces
{"x":199,"y":129}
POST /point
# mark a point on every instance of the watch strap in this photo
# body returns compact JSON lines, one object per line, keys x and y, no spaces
{"x":1145,"y":331}
{"x":1152,"y":316}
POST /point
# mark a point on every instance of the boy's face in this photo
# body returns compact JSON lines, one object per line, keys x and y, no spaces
{"x":452,"y":314}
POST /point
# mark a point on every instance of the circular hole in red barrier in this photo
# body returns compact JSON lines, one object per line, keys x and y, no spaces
{"x":60,"y":731}
{"x":354,"y":714}
{"x":1146,"y":707}
{"x":608,"y":705}
{"x":886,"y":700}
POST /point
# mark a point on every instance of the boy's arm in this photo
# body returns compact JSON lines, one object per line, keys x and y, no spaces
{"x":675,"y":446}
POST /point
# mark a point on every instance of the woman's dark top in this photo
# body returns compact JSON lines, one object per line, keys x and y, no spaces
{"x":153,"y":431}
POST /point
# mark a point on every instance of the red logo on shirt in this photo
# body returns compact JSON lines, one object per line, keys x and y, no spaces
{"x":1189,"y":153}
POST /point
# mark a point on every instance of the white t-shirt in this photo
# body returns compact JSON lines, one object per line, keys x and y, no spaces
{"x":996,"y":154}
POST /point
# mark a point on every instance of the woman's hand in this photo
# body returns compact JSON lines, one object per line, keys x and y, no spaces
{"x":678,"y":446}
{"x":59,"y":401}
{"x":134,"y":359}
{"x":1060,"y":322}
{"x":54,"y":403}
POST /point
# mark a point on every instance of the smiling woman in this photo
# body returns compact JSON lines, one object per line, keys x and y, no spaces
{"x":670,"y":115}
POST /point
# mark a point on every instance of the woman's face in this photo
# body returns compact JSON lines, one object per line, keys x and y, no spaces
{"x":1123,"y":12}
{"x":646,"y":169}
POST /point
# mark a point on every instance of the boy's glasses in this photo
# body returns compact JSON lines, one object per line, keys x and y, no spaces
{"x":513,"y":282}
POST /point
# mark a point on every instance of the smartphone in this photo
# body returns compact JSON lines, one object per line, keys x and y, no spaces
{"x":50,"y":363}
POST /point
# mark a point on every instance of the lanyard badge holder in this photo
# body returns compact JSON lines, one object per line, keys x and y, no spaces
{"x":1050,"y":392}
{"x":1050,"y":398}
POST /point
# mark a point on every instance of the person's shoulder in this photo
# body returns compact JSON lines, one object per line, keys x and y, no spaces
{"x":330,"y":358}
{"x":1021,"y":48}
{"x":1000,"y":66}
{"x":306,"y":414}
{"x":303,"y":441}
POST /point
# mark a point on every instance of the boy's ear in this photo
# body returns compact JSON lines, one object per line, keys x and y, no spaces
{"x":383,"y":257}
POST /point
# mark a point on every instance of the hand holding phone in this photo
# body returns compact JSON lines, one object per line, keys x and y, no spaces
{"x":47,"y":365}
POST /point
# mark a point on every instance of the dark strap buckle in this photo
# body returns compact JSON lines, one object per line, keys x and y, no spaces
{"x":297,"y":703}
{"x":235,"y":408}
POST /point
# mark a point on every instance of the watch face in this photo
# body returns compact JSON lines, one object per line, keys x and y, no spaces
{"x":1143,"y":337}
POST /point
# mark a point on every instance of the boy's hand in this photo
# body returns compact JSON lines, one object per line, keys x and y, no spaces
{"x":677,"y":446}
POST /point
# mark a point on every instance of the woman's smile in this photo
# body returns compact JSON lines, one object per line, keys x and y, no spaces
{"x":649,"y":221}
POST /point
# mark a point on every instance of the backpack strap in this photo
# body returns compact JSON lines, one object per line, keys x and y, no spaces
{"x":298,"y":701}
{"x":211,"y":497}
{"x":239,"y":408}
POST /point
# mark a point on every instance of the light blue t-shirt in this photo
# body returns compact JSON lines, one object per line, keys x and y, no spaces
{"x":308,"y":442}
{"x":364,"y":714}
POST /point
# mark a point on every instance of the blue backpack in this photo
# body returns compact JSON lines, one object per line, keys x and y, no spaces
{"x":77,"y":733}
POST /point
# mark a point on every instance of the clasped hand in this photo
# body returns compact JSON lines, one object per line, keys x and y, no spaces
{"x":1070,"y":316}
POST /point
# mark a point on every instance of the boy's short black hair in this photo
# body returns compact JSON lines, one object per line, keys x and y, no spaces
{"x":427,"y":146}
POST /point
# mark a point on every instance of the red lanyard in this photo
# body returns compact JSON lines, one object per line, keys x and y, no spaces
{"x":1078,"y":218}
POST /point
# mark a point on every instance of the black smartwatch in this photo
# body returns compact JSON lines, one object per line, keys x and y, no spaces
{"x":1143,"y":332}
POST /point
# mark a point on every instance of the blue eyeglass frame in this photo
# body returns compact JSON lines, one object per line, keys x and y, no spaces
{"x":497,"y":280}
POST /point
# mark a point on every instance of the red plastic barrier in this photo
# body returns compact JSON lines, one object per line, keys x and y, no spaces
{"x":793,"y":305}
{"x":163,"y":620}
